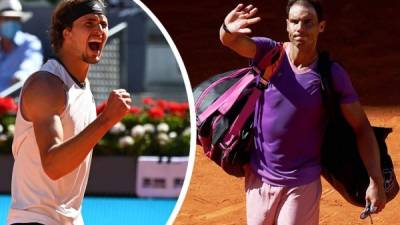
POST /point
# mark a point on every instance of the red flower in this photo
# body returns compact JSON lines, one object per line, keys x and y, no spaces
{"x":185,"y":106}
{"x":179,"y":109}
{"x":135,"y":110}
{"x":7,"y":104}
{"x":174,"y":106}
{"x":156,"y":113}
{"x":163,"y":104}
{"x":148,"y":101}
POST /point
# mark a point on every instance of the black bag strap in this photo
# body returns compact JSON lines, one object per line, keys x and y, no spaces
{"x":330,"y":100}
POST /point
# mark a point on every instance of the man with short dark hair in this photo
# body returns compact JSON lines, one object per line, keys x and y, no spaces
{"x":56,"y":125}
{"x":283,"y":184}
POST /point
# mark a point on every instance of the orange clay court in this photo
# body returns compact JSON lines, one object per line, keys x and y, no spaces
{"x":215,"y":198}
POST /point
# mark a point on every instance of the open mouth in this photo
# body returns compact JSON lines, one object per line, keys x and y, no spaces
{"x":300,"y":38}
{"x":94,"y":46}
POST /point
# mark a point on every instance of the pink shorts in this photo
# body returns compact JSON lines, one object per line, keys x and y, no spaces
{"x":271,"y":205}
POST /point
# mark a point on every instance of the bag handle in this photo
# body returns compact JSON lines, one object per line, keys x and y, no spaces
{"x":268,"y":66}
{"x":270,"y":63}
{"x":270,"y":56}
{"x":271,"y":60}
{"x":228,"y":96}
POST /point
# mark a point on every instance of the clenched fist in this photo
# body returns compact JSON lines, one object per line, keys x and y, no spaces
{"x":118,"y":105}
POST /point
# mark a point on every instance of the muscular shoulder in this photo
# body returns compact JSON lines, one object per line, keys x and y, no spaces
{"x":43,"y":94}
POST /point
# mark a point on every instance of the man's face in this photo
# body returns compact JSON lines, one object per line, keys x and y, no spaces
{"x":9,"y":26}
{"x":87,"y":37}
{"x":303,"y":26}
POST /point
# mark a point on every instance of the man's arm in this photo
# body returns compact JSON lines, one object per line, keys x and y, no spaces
{"x":234,"y":36}
{"x":43,"y":101}
{"x":369,"y":152}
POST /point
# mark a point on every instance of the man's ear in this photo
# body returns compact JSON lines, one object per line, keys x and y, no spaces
{"x":322,"y":26}
{"x":287,"y":25}
{"x":67,"y":33}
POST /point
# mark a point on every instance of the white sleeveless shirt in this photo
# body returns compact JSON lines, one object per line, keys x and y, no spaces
{"x":36,"y":197}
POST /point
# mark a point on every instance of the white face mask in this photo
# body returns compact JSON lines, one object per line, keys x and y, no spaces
{"x":8,"y":29}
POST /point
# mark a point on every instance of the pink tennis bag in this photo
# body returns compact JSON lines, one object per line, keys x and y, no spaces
{"x":224,"y":108}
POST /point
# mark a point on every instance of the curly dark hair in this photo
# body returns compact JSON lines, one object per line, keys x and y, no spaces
{"x":316,"y":4}
{"x":59,"y":22}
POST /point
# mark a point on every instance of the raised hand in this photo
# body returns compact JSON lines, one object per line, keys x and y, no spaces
{"x":238,"y":20}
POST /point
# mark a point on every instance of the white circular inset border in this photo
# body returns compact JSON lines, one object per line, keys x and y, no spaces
{"x":189,"y":94}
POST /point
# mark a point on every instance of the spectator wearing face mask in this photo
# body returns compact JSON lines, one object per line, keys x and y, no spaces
{"x":20,"y":52}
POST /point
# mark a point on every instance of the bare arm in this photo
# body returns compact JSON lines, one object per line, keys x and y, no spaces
{"x":43,"y":101}
{"x":369,"y":152}
{"x":237,"y":22}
